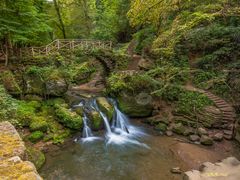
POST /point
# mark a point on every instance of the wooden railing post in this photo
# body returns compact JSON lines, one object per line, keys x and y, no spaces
{"x":32,"y":51}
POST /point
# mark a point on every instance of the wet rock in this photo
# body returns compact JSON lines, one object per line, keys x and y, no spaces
{"x":169,"y":133}
{"x":202,"y":131}
{"x":178,"y":128}
{"x":194,"y":138}
{"x":35,"y":156}
{"x":96,"y":120}
{"x":206,"y":140}
{"x":218,"y":137}
{"x":105,"y":107}
{"x":176,"y":170}
{"x":161,"y":127}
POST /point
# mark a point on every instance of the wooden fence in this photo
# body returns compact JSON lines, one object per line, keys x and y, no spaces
{"x":64,"y":44}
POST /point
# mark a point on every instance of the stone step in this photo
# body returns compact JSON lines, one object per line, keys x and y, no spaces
{"x":227,"y":137}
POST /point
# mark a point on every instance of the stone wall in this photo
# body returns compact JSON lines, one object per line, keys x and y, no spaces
{"x":12,"y":151}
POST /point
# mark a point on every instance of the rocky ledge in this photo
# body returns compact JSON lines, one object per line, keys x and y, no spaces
{"x":12,"y":151}
{"x":227,"y":169}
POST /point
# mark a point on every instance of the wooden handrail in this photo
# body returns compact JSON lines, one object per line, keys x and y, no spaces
{"x":70,"y":44}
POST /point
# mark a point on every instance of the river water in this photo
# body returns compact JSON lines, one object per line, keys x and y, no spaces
{"x":144,"y":157}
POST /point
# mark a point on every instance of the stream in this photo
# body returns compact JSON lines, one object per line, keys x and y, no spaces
{"x":126,"y":150}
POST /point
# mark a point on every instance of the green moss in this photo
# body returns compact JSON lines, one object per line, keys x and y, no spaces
{"x":97,"y":121}
{"x":39,"y":123}
{"x":67,"y":118}
{"x":35,"y":136}
{"x":132,"y":108}
{"x":161,"y":127}
{"x":179,"y":128}
{"x":105,"y":107}
{"x":35,"y":156}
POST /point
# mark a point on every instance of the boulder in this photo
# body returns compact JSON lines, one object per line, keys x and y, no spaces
{"x":169,"y":133}
{"x":96,"y":120}
{"x":132,"y":108}
{"x":161,"y":127}
{"x":176,"y":170}
{"x":194,"y":138}
{"x":56,"y":87}
{"x":227,"y":169}
{"x":206,"y":140}
{"x":179,"y":128}
{"x":202,"y":131}
{"x":68,"y":118}
{"x":105,"y":107}
{"x":218,"y":137}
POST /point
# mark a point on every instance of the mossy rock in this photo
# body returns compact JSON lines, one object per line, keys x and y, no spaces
{"x":96,"y":120}
{"x":39,"y":124}
{"x":179,"y":128}
{"x":68,"y":118}
{"x":36,"y":136}
{"x":10,"y":83}
{"x":34,"y":84}
{"x":35,"y":156}
{"x":129,"y":106}
{"x":161,"y":127}
{"x":105,"y":107}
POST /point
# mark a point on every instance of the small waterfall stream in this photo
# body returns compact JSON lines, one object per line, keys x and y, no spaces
{"x":120,"y":130}
{"x":87,"y":132}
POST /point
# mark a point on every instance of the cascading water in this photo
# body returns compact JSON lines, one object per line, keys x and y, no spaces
{"x":87,"y":132}
{"x":119,"y":132}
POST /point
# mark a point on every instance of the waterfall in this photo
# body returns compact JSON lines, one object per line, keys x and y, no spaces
{"x":87,"y":132}
{"x":120,"y":120}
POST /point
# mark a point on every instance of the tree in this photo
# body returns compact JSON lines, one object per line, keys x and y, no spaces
{"x":60,"y":19}
{"x":21,"y":23}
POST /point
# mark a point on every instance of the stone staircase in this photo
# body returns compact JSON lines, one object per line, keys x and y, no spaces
{"x":228,"y":123}
{"x":228,"y":114}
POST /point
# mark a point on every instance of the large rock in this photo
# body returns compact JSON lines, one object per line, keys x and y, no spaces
{"x":96,"y":120}
{"x":56,"y":87}
{"x":15,"y":168}
{"x":10,"y":142}
{"x":105,"y":107}
{"x":132,"y":108}
{"x":228,"y":169}
{"x":12,"y":149}
{"x":34,"y":84}
{"x":179,"y":129}
{"x":145,"y":64}
{"x":206,"y":140}
{"x":68,"y":118}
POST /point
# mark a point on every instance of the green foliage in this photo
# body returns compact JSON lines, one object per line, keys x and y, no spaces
{"x":38,"y":124}
{"x":10,"y":83}
{"x":192,"y":102}
{"x":35,"y":156}
{"x":35,"y":136}
{"x":22,"y":22}
{"x":119,"y":83}
{"x":8,"y":107}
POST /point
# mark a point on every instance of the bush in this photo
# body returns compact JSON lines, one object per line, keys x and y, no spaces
{"x":35,"y":136}
{"x":39,"y":123}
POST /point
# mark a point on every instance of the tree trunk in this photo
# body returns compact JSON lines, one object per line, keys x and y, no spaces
{"x":56,"y":5}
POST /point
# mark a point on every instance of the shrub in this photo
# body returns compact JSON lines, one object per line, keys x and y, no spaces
{"x":35,"y":136}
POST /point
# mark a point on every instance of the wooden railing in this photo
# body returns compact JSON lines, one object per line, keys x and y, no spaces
{"x":65,"y":44}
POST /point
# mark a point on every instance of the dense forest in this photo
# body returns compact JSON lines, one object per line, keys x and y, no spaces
{"x":172,"y":64}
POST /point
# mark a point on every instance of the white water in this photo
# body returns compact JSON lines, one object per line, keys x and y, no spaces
{"x":120,"y":132}
{"x":87,"y":132}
